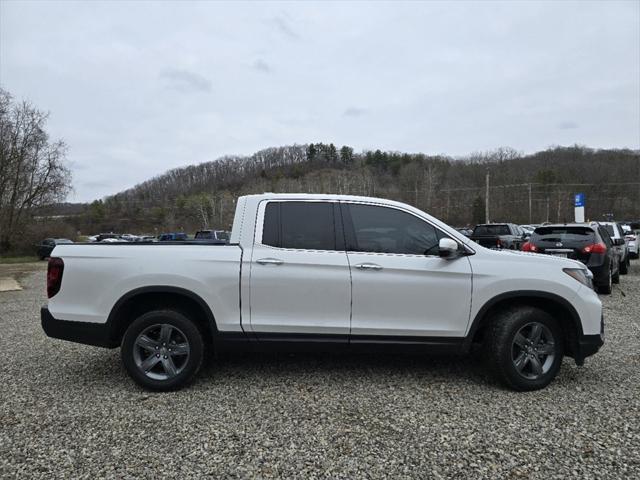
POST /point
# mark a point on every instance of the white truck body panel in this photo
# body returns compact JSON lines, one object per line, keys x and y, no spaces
{"x":209,"y":271}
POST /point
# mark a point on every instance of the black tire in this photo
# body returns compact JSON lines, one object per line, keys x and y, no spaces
{"x":624,"y":266}
{"x":605,"y":288}
{"x":503,"y":352}
{"x":182,"y":331}
{"x":615,"y":278}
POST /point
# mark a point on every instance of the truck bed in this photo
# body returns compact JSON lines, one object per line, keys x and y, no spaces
{"x":119,"y":268}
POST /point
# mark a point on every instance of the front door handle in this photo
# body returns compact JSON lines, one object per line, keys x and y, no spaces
{"x":369,"y":266}
{"x":270,"y":261}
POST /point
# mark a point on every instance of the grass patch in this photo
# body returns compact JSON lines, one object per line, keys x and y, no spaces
{"x":13,"y":260}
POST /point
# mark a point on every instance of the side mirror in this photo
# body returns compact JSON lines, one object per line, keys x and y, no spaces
{"x":618,"y":241}
{"x":447,"y":248}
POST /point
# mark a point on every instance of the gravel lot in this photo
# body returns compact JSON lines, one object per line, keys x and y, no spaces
{"x":68,"y":410}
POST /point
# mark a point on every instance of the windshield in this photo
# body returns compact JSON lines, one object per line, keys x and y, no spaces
{"x":609,"y":228}
{"x":491,"y":230}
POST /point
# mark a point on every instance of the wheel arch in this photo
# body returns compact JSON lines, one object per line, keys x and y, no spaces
{"x":140,"y":300}
{"x":555,"y":305}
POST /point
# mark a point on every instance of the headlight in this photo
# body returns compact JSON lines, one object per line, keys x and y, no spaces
{"x":582,"y":275}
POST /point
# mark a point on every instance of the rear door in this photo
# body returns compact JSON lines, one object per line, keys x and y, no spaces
{"x":300,"y":284}
{"x":400,"y":285}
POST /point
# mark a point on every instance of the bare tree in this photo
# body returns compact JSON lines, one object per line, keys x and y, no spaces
{"x":32,"y":169}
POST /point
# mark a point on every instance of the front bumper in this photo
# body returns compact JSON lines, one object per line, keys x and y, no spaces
{"x":96,"y":334}
{"x":589,"y":345}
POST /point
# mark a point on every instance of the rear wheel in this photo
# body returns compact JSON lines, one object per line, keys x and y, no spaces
{"x":525,"y":348}
{"x":615,"y":278}
{"x":606,"y":287}
{"x":624,"y":266}
{"x":162,"y":350}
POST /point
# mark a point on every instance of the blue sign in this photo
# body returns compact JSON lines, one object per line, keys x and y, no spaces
{"x":579,"y":200}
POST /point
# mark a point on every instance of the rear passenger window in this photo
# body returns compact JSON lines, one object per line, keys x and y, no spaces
{"x":300,"y":225}
{"x":606,"y":238}
{"x":387,"y":230}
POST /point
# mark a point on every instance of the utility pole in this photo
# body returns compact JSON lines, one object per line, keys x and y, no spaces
{"x":448,"y":205}
{"x":547,"y":209}
{"x":530,"y":217}
{"x":486,"y":200}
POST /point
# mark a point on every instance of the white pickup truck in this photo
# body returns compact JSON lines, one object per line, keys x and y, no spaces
{"x":329,"y":272}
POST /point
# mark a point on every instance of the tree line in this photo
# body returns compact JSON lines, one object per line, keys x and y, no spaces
{"x":529,"y":188}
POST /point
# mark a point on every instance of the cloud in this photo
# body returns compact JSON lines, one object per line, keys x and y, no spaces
{"x":354,"y":112}
{"x":185,"y":81}
{"x":502,"y":79}
{"x":261,"y":66}
{"x":567,"y":125}
{"x":284,"y":28}
{"x":95,"y":184}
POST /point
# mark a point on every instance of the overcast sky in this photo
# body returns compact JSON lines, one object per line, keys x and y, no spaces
{"x":136,"y":88}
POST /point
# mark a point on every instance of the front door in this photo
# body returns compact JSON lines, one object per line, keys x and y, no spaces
{"x":400,"y":286}
{"x":300,"y":283}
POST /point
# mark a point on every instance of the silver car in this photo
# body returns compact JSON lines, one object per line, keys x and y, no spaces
{"x":620,"y":243}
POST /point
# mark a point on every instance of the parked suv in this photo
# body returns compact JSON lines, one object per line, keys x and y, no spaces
{"x":620,"y":244}
{"x":590,"y":244}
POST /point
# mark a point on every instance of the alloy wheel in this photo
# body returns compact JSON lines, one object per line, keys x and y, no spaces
{"x":533,"y":350}
{"x":161,"y":351}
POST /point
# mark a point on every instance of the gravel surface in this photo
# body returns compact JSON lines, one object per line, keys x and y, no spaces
{"x":69,"y":410}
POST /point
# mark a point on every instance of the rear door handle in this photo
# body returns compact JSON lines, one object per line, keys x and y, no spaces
{"x":369,"y":266}
{"x":270,"y":261}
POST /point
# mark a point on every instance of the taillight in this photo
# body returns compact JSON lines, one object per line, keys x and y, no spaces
{"x":498,"y":243}
{"x":595,"y":248}
{"x":54,"y":276}
{"x":529,"y":247}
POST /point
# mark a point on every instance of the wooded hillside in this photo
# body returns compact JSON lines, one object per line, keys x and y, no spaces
{"x":523,"y":188}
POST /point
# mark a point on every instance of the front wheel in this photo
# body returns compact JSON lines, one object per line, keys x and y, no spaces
{"x":525,"y":348}
{"x":162,"y":350}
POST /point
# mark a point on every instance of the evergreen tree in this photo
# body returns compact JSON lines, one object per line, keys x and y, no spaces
{"x":346,"y":154}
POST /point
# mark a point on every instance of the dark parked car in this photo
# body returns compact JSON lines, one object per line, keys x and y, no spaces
{"x":106,"y":236}
{"x":590,"y":244}
{"x":498,"y":236}
{"x":217,"y":235}
{"x":173,"y":237}
{"x":48,"y":244}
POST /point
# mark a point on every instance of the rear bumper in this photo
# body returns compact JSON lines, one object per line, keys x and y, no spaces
{"x":96,"y":334}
